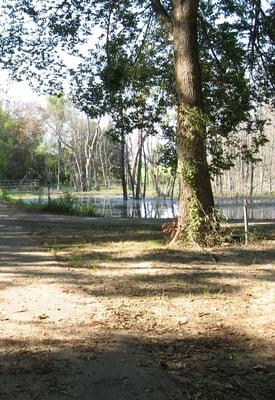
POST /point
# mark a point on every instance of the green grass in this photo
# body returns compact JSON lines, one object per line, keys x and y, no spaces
{"x":41,"y":193}
{"x":4,"y":195}
{"x":81,"y":261}
{"x":65,"y":204}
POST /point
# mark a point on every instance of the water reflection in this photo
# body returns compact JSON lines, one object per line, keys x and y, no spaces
{"x":260,"y":208}
{"x":147,"y":208}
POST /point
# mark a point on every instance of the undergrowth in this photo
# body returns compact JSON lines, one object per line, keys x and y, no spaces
{"x":65,"y":204}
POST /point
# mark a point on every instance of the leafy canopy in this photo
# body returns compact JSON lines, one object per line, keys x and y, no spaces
{"x":126,"y":59}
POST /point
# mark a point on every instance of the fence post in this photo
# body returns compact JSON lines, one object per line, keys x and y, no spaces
{"x":245,"y":217}
{"x":48,"y":182}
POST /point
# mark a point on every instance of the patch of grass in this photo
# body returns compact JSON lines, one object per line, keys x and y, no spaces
{"x":85,"y":210}
{"x":87,"y":259}
{"x":76,"y":261}
{"x":206,"y":292}
{"x":178,"y":282}
{"x":54,"y":248}
{"x":114,"y":190}
{"x":82,"y":261}
{"x":210,"y":291}
{"x":4,"y":195}
{"x":263,"y":231}
{"x":234,"y":233}
{"x":65,"y":204}
{"x":93,"y":266}
{"x":10,"y":199}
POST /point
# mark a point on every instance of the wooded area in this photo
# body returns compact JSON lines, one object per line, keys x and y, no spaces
{"x":197,"y":73}
{"x":80,"y":154}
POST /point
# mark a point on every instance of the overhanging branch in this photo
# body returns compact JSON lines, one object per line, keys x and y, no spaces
{"x":161,"y":11}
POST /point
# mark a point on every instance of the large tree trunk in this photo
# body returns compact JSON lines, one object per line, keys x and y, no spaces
{"x":196,"y":197}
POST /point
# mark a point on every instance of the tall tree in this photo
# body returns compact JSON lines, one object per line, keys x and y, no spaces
{"x":196,"y":200}
{"x":21,"y":131}
{"x":38,"y":31}
{"x":125,"y":86}
{"x":56,"y":106}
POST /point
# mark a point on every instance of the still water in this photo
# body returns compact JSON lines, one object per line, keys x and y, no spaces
{"x":259,"y":208}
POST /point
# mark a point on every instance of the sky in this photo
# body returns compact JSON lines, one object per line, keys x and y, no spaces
{"x":17,"y":91}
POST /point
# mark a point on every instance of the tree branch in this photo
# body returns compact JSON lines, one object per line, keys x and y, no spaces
{"x":108,"y":31}
{"x":161,"y":11}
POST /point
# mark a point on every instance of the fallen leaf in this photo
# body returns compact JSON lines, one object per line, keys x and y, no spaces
{"x":43,"y":316}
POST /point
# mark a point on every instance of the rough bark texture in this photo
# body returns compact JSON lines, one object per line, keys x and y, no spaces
{"x":196,"y":197}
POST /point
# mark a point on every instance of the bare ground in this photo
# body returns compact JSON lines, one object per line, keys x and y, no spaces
{"x":108,"y":311}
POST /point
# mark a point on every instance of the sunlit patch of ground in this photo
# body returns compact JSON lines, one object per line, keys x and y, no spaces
{"x":204,"y":316}
{"x":207,"y":316}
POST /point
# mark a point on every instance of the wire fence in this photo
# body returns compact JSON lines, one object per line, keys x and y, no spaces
{"x":16,"y":184}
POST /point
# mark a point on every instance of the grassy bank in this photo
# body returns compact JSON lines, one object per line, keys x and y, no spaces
{"x":64,"y":204}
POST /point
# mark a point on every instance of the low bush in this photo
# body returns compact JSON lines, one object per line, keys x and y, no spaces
{"x":4,"y":195}
{"x":87,"y":210}
{"x":65,"y":204}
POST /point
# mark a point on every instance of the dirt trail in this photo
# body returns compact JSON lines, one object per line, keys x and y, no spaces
{"x":53,"y":344}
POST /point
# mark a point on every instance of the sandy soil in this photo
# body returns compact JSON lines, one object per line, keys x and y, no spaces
{"x":54,"y":343}
{"x":112,"y":313}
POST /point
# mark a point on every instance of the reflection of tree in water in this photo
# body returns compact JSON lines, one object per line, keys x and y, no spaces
{"x":150,"y":208}
{"x":157,"y":211}
{"x":231,"y":209}
{"x":145,"y":209}
{"x":136,"y":210}
{"x":124,"y":209}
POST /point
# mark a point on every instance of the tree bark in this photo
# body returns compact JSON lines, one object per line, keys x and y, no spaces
{"x":196,"y":197}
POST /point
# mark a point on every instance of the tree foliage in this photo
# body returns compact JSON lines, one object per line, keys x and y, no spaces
{"x":125,"y":54}
{"x":20,"y":137}
{"x":219,"y":52}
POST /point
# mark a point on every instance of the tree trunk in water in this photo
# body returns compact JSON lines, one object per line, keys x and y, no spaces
{"x":102,"y":164}
{"x":58,"y":164}
{"x":123,"y":168}
{"x":131,"y":182}
{"x":252,"y":171}
{"x":138,"y":183}
{"x":145,"y":175}
{"x":196,"y":197}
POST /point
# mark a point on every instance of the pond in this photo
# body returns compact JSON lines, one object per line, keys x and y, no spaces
{"x":259,"y":208}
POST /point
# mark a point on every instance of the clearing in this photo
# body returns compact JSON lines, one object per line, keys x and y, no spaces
{"x":98,"y":308}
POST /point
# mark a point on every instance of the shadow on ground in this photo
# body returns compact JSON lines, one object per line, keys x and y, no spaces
{"x":105,"y":367}
{"x":179,"y":271}
{"x":219,"y":363}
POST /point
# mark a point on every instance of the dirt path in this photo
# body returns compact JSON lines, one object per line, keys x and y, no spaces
{"x":123,"y":316}
{"x":53,"y":342}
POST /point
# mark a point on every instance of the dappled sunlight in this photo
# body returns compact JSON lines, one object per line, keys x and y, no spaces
{"x":93,"y":311}
{"x":45,"y":305}
{"x":223,"y":364}
{"x":98,"y":366}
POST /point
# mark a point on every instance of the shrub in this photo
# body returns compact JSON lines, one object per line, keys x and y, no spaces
{"x":63,"y":204}
{"x":4,"y":195}
{"x":87,"y":210}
